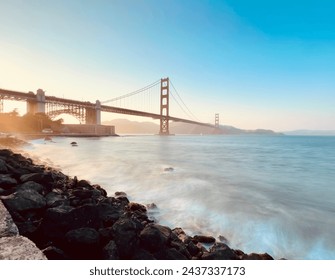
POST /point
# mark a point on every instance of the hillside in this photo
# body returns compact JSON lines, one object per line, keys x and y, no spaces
{"x":124,"y":126}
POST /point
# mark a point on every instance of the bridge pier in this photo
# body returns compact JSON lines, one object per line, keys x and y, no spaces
{"x":164,"y":120}
{"x":93,"y":115}
{"x":38,"y":105}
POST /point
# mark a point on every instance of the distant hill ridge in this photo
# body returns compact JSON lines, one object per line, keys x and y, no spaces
{"x":306,"y":132}
{"x":124,"y":126}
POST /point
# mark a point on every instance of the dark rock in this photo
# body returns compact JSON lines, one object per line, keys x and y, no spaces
{"x":6,"y":153}
{"x":2,"y":192}
{"x":193,"y":249}
{"x":254,"y":256}
{"x":108,"y":214}
{"x":110,"y":252}
{"x":151,"y":206}
{"x":101,"y":190}
{"x":6,"y":182}
{"x":24,"y":200}
{"x":181,"y":248}
{"x":42,"y":178}
{"x":142,"y":254}
{"x":239,"y":253}
{"x":56,"y":223}
{"x":106,"y":235}
{"x":168,"y":169}
{"x":84,"y":184}
{"x":31,"y":185}
{"x":54,"y":199}
{"x":29,"y":228}
{"x":154,"y":237}
{"x":82,"y":193}
{"x":3,"y":167}
{"x":223,"y":239}
{"x":203,"y":239}
{"x":86,"y":201}
{"x":181,"y":234}
{"x":122,"y":201}
{"x":169,"y":254}
{"x":83,"y":243}
{"x":85,"y":216}
{"x":125,"y":232}
{"x":133,"y":206}
{"x":219,"y":251}
{"x":54,"y":253}
{"x":118,"y":194}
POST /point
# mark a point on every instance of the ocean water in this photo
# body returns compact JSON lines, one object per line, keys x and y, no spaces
{"x":273,"y":194}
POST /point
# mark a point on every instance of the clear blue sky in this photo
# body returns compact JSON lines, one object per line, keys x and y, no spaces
{"x":260,"y":64}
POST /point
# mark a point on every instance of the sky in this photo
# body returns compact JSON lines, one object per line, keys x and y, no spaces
{"x":259,"y":64}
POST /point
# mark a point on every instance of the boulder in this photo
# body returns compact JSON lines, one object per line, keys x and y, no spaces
{"x":108,"y":214}
{"x":110,"y":252}
{"x":142,"y":254}
{"x":118,"y":194}
{"x":24,"y":200}
{"x":31,"y":185}
{"x":203,"y":239}
{"x":133,"y":206}
{"x":219,"y":251}
{"x":3,"y":167}
{"x":44,"y":178}
{"x":153,"y":237}
{"x":54,"y":253}
{"x":254,"y":256}
{"x":56,"y":223}
{"x":59,"y":220}
{"x":82,"y":193}
{"x":54,"y":199}
{"x":19,"y":248}
{"x":83,"y":243}
{"x":7,"y":182}
{"x":125,"y":232}
{"x":169,"y":254}
{"x":7,"y":226}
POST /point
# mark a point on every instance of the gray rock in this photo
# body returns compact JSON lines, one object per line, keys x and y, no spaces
{"x":19,"y":248}
{"x":7,"y":226}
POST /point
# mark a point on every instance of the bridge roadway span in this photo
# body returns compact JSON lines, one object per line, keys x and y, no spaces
{"x":30,"y":96}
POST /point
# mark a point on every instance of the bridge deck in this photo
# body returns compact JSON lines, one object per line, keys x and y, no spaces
{"x":16,"y":95}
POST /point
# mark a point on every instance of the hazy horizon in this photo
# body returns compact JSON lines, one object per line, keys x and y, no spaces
{"x":258,"y":64}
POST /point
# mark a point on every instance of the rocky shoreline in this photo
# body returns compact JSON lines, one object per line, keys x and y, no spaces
{"x":72,"y":219}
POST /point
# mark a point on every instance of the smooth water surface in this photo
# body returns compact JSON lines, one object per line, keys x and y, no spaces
{"x":272,"y":194}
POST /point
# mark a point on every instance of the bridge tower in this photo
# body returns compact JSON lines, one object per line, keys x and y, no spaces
{"x":164,"y":121}
{"x":217,"y":121}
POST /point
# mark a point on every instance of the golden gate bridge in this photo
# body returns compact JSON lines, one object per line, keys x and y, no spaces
{"x":142,"y":102}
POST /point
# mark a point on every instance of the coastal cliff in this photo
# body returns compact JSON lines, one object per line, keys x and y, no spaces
{"x":69,"y":218}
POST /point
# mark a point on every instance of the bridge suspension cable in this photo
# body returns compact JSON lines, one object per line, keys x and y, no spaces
{"x":146,"y":88}
{"x":185,"y":109}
